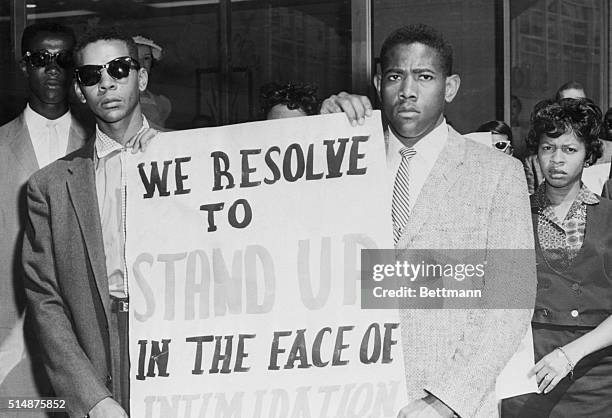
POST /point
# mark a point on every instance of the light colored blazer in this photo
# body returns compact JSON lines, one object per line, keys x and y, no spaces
{"x":17,"y":164}
{"x":474,"y":198}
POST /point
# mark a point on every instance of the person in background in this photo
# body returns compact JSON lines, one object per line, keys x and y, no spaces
{"x":288,"y":100}
{"x":606,"y":137}
{"x":45,"y":131}
{"x":571,"y":89}
{"x":596,"y":175}
{"x":501,"y":135}
{"x":572,"y":322}
{"x":607,"y":126}
{"x":607,"y":143}
{"x":156,"y":107}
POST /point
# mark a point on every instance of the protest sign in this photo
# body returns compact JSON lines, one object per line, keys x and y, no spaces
{"x":243,"y":254}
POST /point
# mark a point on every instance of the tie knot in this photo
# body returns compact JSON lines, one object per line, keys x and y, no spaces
{"x":407,"y":152}
{"x":51,"y":124}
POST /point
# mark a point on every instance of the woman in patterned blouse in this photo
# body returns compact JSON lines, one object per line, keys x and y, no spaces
{"x":572,"y":322}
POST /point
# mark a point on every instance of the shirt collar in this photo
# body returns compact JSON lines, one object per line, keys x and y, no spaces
{"x":35,"y":120}
{"x":106,"y":145}
{"x":585,"y":196}
{"x":428,"y":147}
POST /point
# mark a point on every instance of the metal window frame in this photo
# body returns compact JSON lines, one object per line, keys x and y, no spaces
{"x":361,"y":46}
{"x":605,"y":83}
{"x":18,"y":24}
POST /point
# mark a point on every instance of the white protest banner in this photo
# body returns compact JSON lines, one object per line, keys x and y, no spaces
{"x":243,"y":253}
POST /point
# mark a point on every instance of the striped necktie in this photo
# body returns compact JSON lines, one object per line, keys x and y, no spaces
{"x":400,"y":207}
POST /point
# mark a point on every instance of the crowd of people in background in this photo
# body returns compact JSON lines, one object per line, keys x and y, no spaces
{"x":456,"y":185}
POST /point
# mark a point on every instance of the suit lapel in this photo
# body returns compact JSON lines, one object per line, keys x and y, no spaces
{"x":22,"y":148}
{"x":82,"y":191}
{"x":436,"y":188}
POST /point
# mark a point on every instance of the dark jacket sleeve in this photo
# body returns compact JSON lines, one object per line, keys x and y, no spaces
{"x":72,"y":374}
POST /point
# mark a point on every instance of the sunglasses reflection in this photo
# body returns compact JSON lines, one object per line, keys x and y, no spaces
{"x":44,"y":58}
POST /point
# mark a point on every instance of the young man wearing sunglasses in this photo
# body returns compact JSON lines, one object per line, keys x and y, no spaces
{"x":73,"y":254}
{"x":42,"y":133}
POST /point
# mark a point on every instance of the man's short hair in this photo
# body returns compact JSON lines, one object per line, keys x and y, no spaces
{"x":553,"y":118}
{"x":30,"y":32}
{"x":292,"y":95}
{"x":422,"y":34}
{"x":570,"y":85}
{"x":105,"y":34}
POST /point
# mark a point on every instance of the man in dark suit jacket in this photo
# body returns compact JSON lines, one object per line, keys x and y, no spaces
{"x":70,"y":241}
{"x":26,"y":146}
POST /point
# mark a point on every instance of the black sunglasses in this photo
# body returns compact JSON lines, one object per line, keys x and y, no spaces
{"x":43,"y":58}
{"x":89,"y":75}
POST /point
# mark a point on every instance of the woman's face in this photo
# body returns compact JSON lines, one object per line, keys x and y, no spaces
{"x":562,"y":159}
{"x":501,"y":143}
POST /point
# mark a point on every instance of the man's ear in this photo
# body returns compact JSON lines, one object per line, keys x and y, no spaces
{"x":452,"y":87}
{"x":78,"y":92}
{"x":23,"y":66}
{"x":143,"y":79}
{"x":377,"y":80}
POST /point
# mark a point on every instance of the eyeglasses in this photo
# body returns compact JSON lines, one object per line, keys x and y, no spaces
{"x":502,"y":145}
{"x":89,"y":75}
{"x":43,"y":58}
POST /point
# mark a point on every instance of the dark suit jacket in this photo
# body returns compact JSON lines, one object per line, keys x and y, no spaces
{"x":66,"y":281}
{"x":17,"y":163}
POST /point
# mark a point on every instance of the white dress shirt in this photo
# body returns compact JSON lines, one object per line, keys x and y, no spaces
{"x":427,"y":149}
{"x":39,"y":135}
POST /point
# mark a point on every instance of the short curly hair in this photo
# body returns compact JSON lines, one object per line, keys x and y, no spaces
{"x":423,"y":34}
{"x":293,"y":95}
{"x":100,"y":33}
{"x":581,"y":117}
{"x":30,"y":32}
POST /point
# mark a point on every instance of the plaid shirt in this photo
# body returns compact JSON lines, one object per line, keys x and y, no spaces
{"x":561,"y":241}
